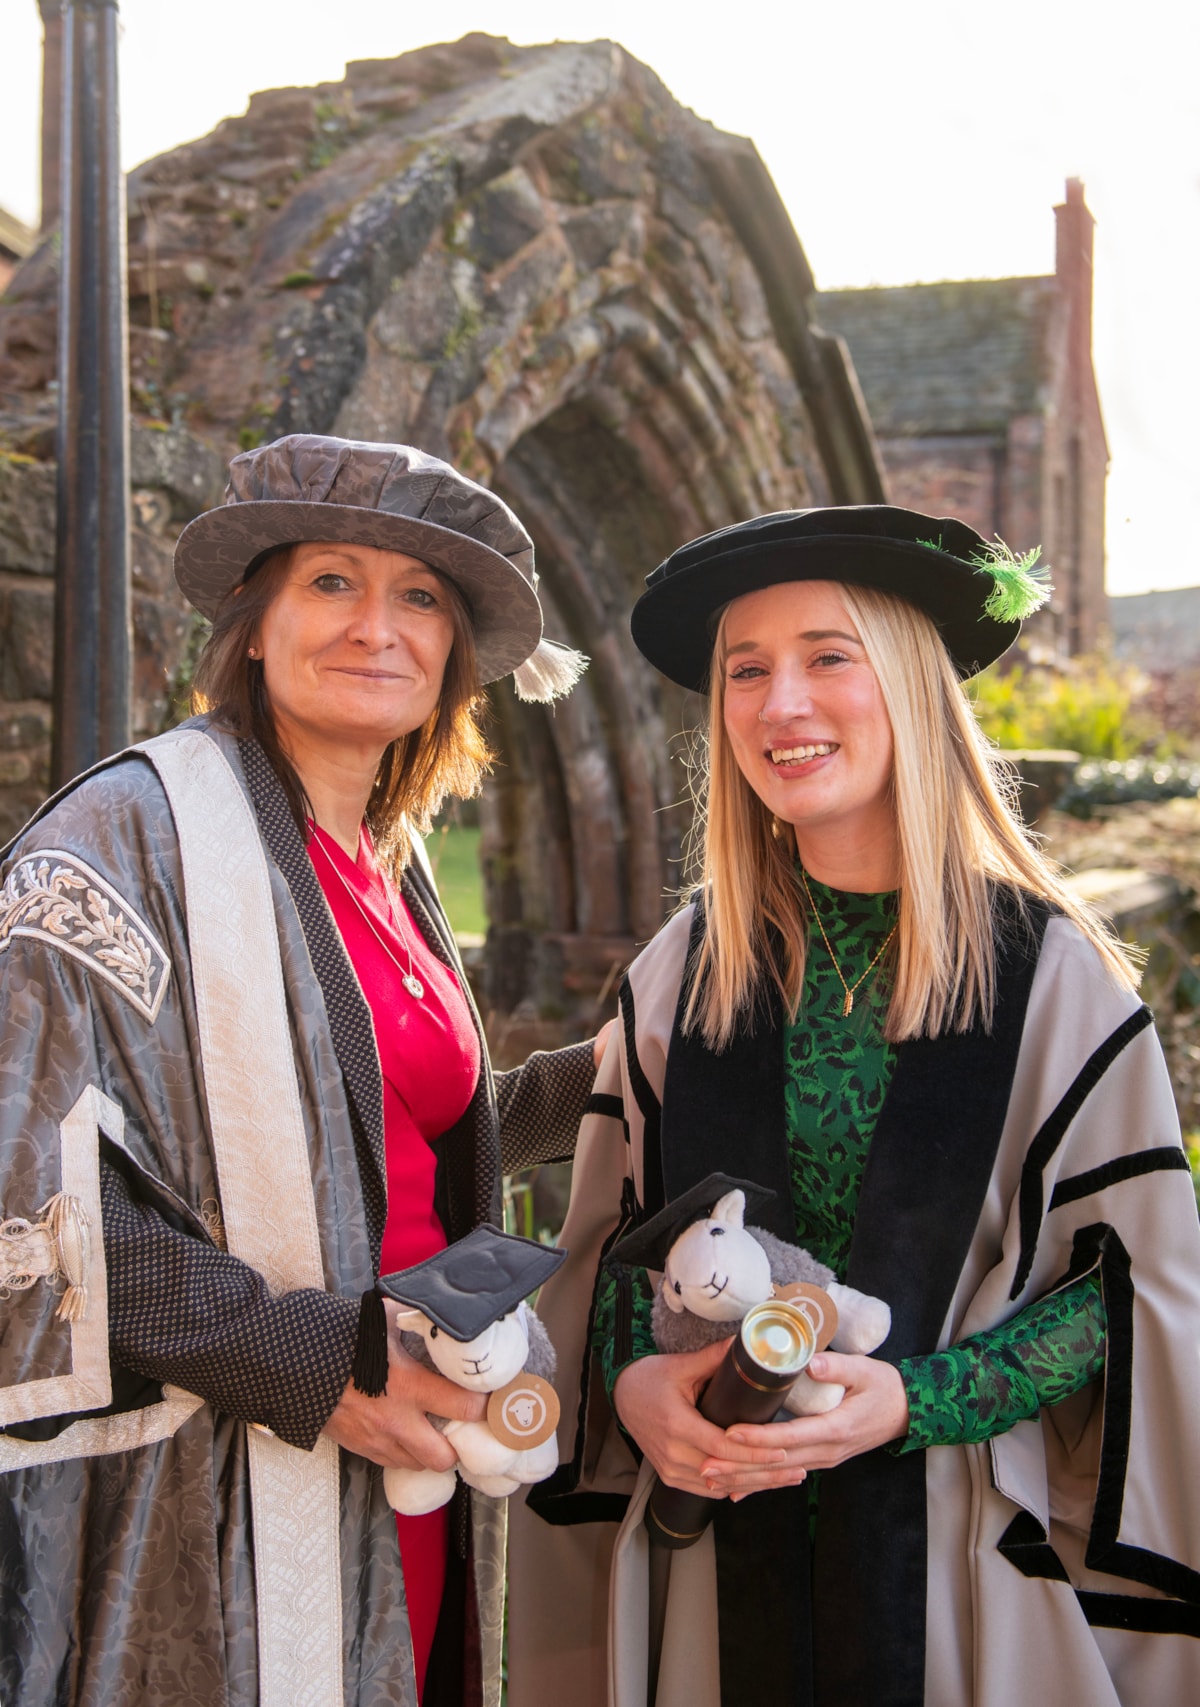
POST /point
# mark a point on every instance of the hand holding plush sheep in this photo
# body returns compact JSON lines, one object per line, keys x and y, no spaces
{"x":716,"y":1268}
{"x":464,"y":1315}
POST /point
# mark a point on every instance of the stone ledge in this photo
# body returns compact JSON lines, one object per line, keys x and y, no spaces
{"x":1129,"y":896}
{"x":1156,"y":913}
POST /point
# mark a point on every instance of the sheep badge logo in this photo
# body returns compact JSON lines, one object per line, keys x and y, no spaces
{"x":524,"y":1413}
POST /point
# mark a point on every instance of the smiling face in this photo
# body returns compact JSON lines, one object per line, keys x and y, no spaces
{"x":806,"y":722}
{"x":354,"y":648}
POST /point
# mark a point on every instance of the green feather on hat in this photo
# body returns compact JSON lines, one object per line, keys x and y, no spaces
{"x":1021,"y":583}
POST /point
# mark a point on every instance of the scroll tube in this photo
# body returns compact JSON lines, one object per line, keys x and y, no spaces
{"x":774,"y":1344}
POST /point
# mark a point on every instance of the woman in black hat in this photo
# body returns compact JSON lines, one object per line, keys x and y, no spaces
{"x":242,"y":1072}
{"x":883,"y":1004}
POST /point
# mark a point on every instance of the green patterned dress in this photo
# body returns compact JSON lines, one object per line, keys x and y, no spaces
{"x":837,"y":1072}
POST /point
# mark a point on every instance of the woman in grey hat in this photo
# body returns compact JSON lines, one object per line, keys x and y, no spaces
{"x":242,"y":1073}
{"x":883,"y":1006}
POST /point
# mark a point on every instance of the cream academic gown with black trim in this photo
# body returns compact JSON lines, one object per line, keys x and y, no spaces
{"x":1059,"y":1562}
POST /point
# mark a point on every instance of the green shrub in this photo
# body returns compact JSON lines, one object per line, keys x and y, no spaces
{"x":1090,"y":707}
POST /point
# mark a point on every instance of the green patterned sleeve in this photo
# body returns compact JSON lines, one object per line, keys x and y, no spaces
{"x":986,"y":1384}
{"x":621,"y":1324}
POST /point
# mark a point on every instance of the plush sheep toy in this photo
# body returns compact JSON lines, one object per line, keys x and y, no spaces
{"x":716,"y":1268}
{"x":464,"y":1315}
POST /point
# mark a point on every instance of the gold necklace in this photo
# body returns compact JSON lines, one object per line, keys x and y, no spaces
{"x":409,"y":979}
{"x":848,"y":1004}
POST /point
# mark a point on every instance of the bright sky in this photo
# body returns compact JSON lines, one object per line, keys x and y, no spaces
{"x":912,"y":141}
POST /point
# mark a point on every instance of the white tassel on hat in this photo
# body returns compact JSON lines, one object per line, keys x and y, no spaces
{"x":548,"y":673}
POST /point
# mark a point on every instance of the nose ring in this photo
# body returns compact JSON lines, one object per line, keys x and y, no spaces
{"x":762,"y":717}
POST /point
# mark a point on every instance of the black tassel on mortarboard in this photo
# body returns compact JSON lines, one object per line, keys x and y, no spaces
{"x":369,"y":1371}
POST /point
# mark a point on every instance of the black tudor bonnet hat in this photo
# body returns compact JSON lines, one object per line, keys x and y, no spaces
{"x":977,"y":592}
{"x":311,"y":488}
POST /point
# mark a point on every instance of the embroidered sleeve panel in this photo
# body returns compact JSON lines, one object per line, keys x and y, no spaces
{"x":53,"y":1282}
{"x":56,"y":898}
{"x":56,"y":1248}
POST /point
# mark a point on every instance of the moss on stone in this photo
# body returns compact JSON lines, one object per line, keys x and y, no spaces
{"x":466,"y":329}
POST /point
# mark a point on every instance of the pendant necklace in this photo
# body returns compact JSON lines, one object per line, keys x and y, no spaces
{"x":848,"y":1004}
{"x":409,"y":979}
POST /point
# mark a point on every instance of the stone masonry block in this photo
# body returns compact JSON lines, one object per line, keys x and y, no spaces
{"x":508,"y":213}
{"x":27,"y":526}
{"x":595,"y":232}
{"x":180,"y":464}
{"x":24,"y":725}
{"x":26,"y":640}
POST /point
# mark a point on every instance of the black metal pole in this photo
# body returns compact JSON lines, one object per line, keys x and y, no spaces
{"x":92,"y":636}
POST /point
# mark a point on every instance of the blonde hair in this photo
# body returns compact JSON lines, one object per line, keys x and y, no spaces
{"x":959,"y":839}
{"x":448,"y":754}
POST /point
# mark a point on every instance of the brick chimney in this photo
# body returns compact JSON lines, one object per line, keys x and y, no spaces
{"x":52,"y":54}
{"x":1074,"y":231}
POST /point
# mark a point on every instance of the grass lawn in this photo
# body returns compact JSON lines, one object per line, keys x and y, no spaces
{"x":454,"y":854}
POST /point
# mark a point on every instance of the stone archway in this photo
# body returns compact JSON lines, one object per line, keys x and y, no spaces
{"x":534,"y":262}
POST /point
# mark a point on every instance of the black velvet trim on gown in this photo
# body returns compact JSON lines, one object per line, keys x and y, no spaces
{"x":1025,"y":1542}
{"x":926,"y":1177}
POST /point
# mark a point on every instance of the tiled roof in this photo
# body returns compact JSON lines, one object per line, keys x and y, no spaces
{"x":16,"y":240}
{"x":958,"y":357}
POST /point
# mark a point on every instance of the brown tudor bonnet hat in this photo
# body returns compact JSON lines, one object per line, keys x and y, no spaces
{"x":309,"y":488}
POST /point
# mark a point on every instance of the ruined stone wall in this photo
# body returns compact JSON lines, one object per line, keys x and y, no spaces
{"x":536,"y":264}
{"x":174,"y":477}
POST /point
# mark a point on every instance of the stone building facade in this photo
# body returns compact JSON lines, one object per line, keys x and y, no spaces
{"x":531,"y":261}
{"x":983,"y":396}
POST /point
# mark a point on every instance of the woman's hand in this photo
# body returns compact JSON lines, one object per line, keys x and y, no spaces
{"x":394,"y":1429}
{"x":874,"y":1411}
{"x":656,"y":1398}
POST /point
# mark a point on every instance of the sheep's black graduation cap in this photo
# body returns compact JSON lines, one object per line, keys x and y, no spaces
{"x":472,"y":1283}
{"x":648,"y":1245}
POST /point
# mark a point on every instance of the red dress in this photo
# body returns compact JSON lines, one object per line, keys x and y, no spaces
{"x":429,"y":1057}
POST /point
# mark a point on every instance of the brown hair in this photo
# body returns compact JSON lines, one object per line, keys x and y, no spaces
{"x":958,"y":836}
{"x":447,"y":755}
